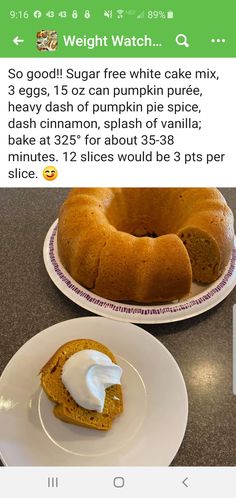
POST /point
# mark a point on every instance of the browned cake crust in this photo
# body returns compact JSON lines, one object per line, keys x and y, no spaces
{"x":66,"y":408}
{"x":106,"y":243}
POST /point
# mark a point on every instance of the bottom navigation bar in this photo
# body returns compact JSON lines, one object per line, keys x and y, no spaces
{"x":118,"y":482}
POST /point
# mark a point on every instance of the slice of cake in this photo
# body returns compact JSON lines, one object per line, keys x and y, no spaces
{"x":71,"y":379}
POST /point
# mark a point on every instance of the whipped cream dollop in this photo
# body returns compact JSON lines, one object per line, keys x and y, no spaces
{"x":87,"y":374}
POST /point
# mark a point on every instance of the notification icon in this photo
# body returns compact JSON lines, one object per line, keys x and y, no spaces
{"x":37,"y":14}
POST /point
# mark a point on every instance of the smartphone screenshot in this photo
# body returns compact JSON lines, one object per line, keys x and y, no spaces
{"x":118,"y":274}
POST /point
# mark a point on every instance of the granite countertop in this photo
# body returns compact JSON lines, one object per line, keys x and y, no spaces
{"x":202,"y":346}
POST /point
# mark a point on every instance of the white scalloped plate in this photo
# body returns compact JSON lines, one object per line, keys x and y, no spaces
{"x":201,"y":298}
{"x":150,"y":430}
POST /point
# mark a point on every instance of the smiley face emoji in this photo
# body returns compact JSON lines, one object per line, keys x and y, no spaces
{"x":50,"y":173}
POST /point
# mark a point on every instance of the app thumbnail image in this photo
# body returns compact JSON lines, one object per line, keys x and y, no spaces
{"x":47,"y":40}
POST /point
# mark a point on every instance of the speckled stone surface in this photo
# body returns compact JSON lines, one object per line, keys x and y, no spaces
{"x":202,"y":345}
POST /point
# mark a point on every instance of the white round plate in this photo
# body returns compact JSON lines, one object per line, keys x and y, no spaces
{"x":148,"y":432}
{"x":201,"y":298}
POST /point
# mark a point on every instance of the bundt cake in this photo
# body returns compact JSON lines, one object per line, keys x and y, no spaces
{"x":144,"y":244}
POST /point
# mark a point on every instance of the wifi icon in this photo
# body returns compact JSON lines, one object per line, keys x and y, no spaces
{"x":120,"y":14}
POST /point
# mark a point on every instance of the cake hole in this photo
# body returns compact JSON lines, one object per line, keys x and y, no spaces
{"x":152,"y":235}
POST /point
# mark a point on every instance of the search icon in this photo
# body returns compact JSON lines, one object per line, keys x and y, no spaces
{"x":182,"y":40}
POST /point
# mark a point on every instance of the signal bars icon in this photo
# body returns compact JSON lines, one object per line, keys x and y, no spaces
{"x":141,"y":15}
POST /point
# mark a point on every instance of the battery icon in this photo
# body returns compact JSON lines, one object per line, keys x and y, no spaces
{"x":170,"y":14}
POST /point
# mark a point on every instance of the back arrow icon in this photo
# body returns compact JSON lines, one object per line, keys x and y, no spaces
{"x":184,"y":482}
{"x":17,"y":40}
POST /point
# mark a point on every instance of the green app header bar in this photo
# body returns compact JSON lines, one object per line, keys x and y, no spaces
{"x":177,"y":28}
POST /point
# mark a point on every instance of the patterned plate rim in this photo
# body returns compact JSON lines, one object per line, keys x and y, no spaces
{"x":165,"y":313}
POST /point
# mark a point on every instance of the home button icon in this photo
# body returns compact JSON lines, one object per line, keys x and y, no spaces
{"x":118,"y":482}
